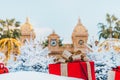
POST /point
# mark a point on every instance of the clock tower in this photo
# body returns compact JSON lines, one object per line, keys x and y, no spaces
{"x":53,"y":41}
{"x":79,"y":36}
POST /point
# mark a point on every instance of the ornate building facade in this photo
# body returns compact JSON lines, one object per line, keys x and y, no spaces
{"x":27,"y":31}
{"x":79,"y":40}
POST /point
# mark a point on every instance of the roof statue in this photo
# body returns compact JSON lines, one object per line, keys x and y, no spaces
{"x":53,"y":34}
{"x":27,"y":20}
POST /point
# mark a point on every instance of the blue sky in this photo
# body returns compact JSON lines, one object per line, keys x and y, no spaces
{"x":60,"y":15}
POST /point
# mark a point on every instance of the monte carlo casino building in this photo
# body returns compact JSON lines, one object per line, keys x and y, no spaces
{"x":79,"y":40}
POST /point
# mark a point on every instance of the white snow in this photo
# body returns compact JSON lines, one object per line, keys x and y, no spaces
{"x":105,"y":60}
{"x":27,"y":75}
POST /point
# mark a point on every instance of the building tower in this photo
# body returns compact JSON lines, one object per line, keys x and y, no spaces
{"x":27,"y":31}
{"x":79,"y":36}
{"x":53,"y":42}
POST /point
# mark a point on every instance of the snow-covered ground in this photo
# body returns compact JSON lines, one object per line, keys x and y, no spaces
{"x":27,"y":75}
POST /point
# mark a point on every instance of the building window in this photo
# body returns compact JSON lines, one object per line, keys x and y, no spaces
{"x":81,"y":42}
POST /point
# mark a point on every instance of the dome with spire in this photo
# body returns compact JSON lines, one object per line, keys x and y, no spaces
{"x":26,"y":28}
{"x":53,"y":34}
{"x":80,"y":30}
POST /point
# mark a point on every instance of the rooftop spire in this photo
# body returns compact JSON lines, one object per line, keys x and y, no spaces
{"x":79,"y":21}
{"x":53,"y":31}
{"x":27,"y":20}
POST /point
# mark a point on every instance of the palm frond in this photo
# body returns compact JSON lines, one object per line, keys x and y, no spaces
{"x":17,"y":24}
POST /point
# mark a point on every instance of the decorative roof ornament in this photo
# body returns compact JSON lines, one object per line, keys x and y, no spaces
{"x":27,"y":20}
{"x":79,"y":21}
{"x":53,"y":31}
{"x":80,"y":30}
{"x":26,"y":28}
{"x":53,"y":34}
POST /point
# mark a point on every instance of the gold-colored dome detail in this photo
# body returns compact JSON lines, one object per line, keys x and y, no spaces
{"x":26,"y":28}
{"x":79,"y":30}
{"x":53,"y":34}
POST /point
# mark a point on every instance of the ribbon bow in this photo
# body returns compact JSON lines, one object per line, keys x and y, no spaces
{"x":69,"y":57}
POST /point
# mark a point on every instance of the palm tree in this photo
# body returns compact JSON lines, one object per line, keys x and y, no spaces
{"x":9,"y":45}
{"x":111,"y":21}
{"x":10,"y":23}
{"x":103,"y":33}
{"x":111,"y":29}
{"x":16,"y":33}
{"x":117,"y":29}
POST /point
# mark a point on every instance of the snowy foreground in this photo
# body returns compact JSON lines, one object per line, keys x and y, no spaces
{"x":33,"y":76}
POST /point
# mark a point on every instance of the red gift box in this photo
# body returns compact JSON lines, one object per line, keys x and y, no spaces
{"x":3,"y":69}
{"x":84,"y":70}
{"x":117,"y":75}
{"x":118,"y":67}
{"x":1,"y":65}
{"x":114,"y":74}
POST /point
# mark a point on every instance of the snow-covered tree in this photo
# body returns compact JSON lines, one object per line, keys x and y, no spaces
{"x":104,"y":61}
{"x":33,"y":58}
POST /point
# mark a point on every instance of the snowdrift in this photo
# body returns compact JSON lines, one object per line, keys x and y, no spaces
{"x":28,"y":75}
